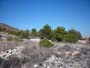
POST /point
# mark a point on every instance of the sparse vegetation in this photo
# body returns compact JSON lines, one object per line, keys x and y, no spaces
{"x":25,"y":34}
{"x":45,"y":32}
{"x":9,"y":38}
{"x":45,"y":43}
{"x":59,"y":34}
{"x":33,"y":33}
{"x":16,"y":39}
{"x":72,"y":36}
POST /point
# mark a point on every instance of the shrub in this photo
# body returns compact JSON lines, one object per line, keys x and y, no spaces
{"x":34,"y":33}
{"x":45,"y":43}
{"x":9,"y":38}
{"x":16,"y":39}
{"x":45,"y":32}
{"x":25,"y":34}
{"x":70,"y":38}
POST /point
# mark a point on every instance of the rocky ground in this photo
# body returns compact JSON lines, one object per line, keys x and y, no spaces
{"x":61,"y":55}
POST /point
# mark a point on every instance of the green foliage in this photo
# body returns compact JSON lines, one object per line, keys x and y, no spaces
{"x":59,"y":33}
{"x":10,"y":31}
{"x":72,"y":36}
{"x":46,"y":32}
{"x":17,"y":33}
{"x":76,"y":33}
{"x":16,"y":39}
{"x":33,"y":32}
{"x":25,"y":34}
{"x":9,"y":38}
{"x":45,"y":43}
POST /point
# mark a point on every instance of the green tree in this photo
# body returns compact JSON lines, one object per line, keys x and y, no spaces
{"x":33,"y":33}
{"x":46,"y":32}
{"x":59,"y":33}
{"x":25,"y":34}
{"x":76,"y":33}
{"x":17,"y":33}
{"x":72,"y":36}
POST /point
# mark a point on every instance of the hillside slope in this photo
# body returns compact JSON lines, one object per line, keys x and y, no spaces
{"x":7,"y":27}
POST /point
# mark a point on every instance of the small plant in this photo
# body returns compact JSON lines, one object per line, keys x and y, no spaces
{"x":45,"y":43}
{"x":70,"y":38}
{"x":16,"y":39}
{"x":9,"y":38}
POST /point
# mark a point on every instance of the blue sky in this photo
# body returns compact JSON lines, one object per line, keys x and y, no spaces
{"x":28,"y":14}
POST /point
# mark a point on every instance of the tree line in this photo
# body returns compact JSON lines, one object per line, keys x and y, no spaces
{"x":58,"y":34}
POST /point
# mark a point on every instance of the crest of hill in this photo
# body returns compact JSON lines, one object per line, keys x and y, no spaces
{"x":8,"y":27}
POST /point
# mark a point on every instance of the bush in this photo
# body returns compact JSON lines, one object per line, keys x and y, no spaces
{"x":45,"y":43}
{"x":9,"y":38}
{"x":25,"y":34}
{"x":16,"y":39}
{"x":45,"y":32}
{"x":70,"y":38}
{"x":59,"y":33}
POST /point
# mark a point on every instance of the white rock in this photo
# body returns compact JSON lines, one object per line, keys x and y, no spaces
{"x":52,"y":58}
{"x":48,"y":67}
{"x":44,"y":65}
{"x":35,"y":65}
{"x":35,"y":40}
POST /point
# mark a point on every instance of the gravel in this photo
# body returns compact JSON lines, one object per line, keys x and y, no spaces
{"x":61,"y":55}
